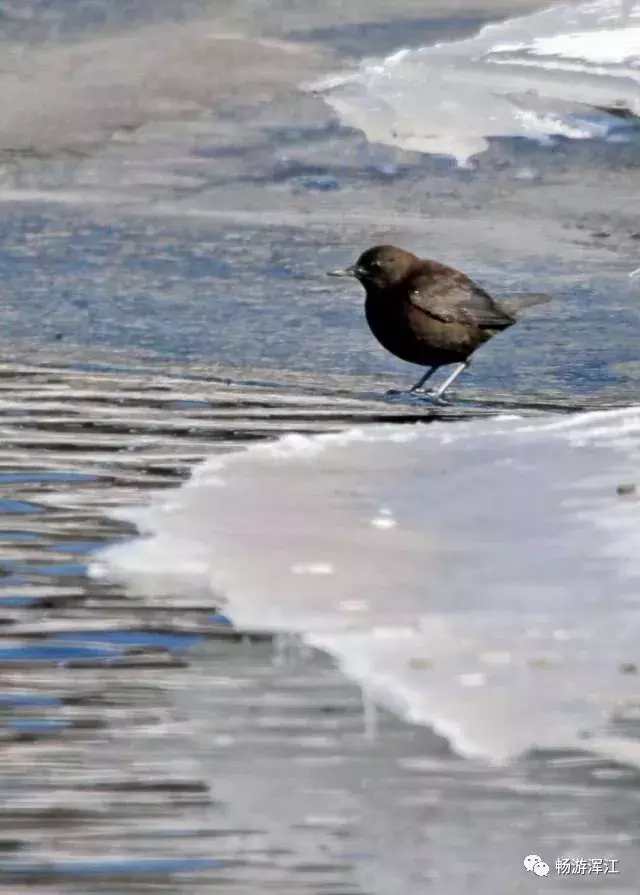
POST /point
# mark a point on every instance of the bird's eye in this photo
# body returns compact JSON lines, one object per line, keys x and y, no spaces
{"x":375,"y":265}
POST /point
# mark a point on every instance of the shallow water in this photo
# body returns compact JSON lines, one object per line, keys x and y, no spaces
{"x":170,"y":201}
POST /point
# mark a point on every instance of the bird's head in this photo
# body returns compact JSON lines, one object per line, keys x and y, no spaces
{"x":380,"y":267}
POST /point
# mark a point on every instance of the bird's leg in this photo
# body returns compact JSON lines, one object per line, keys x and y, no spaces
{"x":423,"y":379}
{"x":439,"y":392}
{"x":417,"y":386}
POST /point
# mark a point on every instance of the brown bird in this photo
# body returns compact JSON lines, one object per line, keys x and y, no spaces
{"x":427,"y":313}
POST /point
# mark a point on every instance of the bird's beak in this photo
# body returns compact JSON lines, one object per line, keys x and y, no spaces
{"x":347,"y":272}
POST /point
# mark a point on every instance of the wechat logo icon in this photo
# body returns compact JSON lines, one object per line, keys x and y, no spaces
{"x":535,"y":864}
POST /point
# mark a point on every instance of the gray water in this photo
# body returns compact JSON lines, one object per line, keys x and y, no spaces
{"x":169,"y":204}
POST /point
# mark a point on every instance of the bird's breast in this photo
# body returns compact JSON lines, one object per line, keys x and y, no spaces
{"x":414,"y":336}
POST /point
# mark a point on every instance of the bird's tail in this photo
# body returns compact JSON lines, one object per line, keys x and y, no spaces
{"x":514,"y":304}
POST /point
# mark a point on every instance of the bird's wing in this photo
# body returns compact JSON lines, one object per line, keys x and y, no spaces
{"x":463,"y":303}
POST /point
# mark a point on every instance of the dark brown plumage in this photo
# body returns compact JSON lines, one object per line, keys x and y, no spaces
{"x":427,"y":313}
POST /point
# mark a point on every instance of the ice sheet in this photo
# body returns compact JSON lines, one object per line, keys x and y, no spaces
{"x":535,"y":76}
{"x":481,"y":578}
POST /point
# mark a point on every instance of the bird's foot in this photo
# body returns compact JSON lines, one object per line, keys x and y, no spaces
{"x":406,"y":393}
{"x":433,"y":396}
{"x":425,"y":392}
{"x":430,"y":394}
